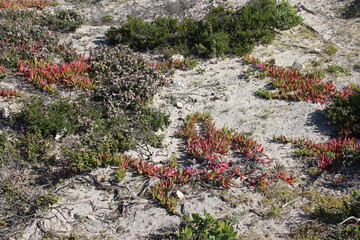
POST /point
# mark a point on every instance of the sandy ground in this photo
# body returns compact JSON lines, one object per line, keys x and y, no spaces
{"x":225,"y":90}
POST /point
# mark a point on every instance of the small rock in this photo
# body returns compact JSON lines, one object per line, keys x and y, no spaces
{"x":58,"y":137}
{"x":178,"y":83}
{"x":102,"y":177}
{"x":179,"y":195}
{"x":179,"y":105}
{"x":177,"y":57}
{"x":298,"y":65}
{"x":15,"y":108}
{"x":214,"y":61}
{"x":6,"y":113}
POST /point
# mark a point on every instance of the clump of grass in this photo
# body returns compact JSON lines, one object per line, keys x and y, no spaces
{"x":106,"y":19}
{"x":336,"y":69}
{"x":331,"y":50}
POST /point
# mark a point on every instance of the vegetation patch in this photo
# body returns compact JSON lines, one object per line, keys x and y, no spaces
{"x":344,"y":112}
{"x":207,"y":227}
{"x":336,"y":217}
{"x":220,"y":33}
{"x":329,"y":155}
{"x":63,"y":20}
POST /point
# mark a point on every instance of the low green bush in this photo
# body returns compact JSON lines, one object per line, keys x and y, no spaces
{"x":63,"y":20}
{"x":345,"y":113}
{"x":220,"y":32}
{"x":35,"y":148}
{"x":60,"y":117}
{"x":205,"y":228}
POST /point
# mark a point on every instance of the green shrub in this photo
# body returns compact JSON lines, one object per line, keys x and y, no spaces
{"x":36,"y":149}
{"x":286,"y":16}
{"x":345,"y":112}
{"x":205,"y":228}
{"x":219,"y":33}
{"x":60,"y":117}
{"x":94,"y":151}
{"x":63,"y":20}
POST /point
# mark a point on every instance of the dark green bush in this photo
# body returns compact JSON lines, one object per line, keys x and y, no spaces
{"x":61,"y":117}
{"x":219,"y":33}
{"x":63,"y":20}
{"x":345,"y":113}
{"x":35,"y":148}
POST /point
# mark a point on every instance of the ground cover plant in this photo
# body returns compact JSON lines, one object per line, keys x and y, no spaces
{"x":208,"y":149}
{"x":197,"y":227}
{"x":340,"y":214}
{"x":290,"y":83}
{"x":21,"y":4}
{"x":220,"y":33}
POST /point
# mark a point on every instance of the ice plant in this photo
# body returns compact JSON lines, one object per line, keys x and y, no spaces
{"x":2,"y":71}
{"x":288,"y":179}
{"x":328,"y":154}
{"x":68,"y":75}
{"x":9,"y":93}
{"x":20,"y":4}
{"x":290,"y":83}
